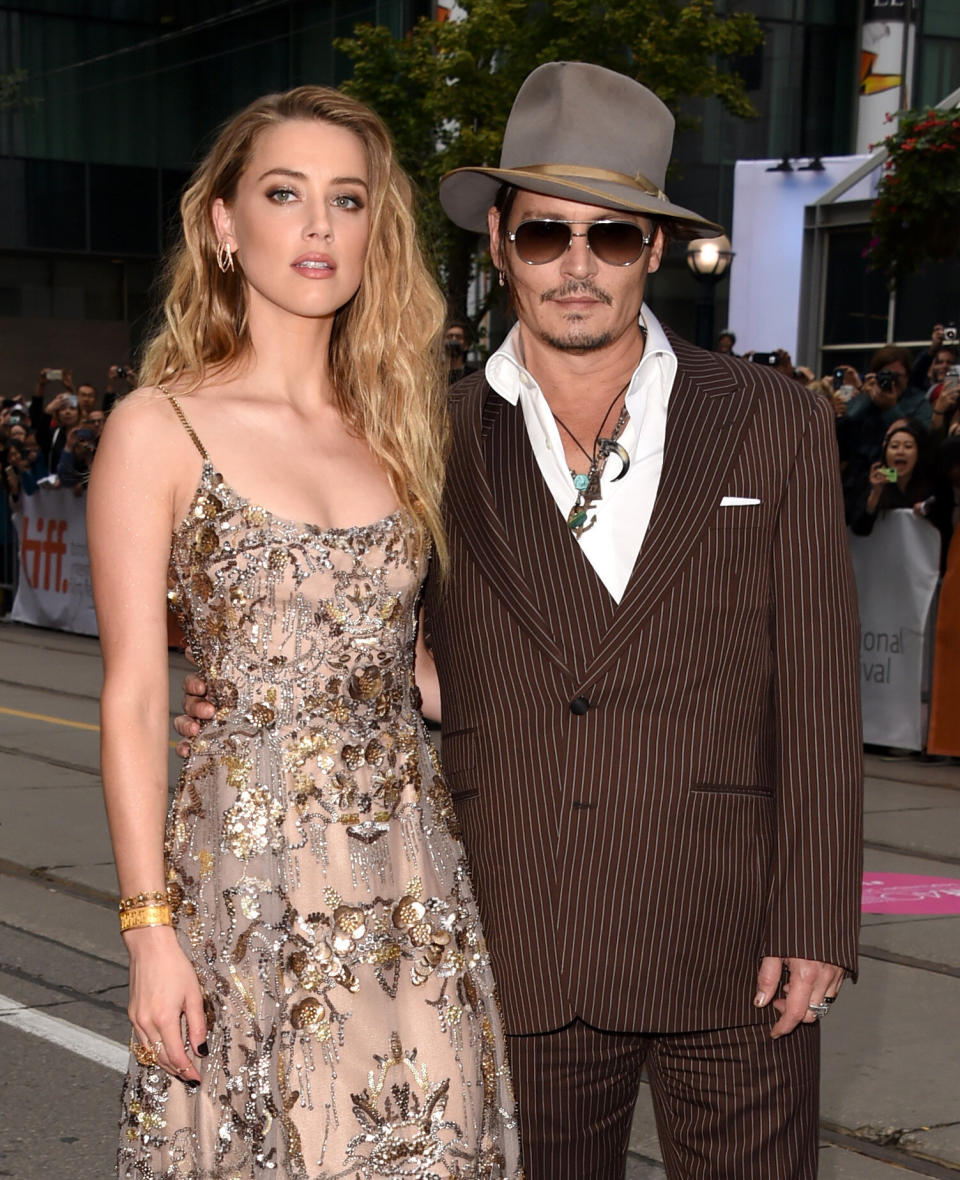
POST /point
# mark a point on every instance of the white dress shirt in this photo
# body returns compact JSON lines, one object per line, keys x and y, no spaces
{"x":623,"y":512}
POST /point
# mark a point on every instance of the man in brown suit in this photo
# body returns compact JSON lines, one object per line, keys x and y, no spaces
{"x":647,"y":650}
{"x":649,"y":676}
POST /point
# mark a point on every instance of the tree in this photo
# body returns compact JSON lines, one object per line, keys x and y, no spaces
{"x":445,"y":90}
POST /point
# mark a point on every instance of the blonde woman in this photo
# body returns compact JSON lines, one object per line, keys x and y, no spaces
{"x":310,"y":993}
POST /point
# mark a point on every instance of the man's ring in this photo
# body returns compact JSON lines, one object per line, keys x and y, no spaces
{"x":819,"y":1009}
{"x":145,"y":1054}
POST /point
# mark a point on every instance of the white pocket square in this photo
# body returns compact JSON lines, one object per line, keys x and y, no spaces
{"x":737,"y":501}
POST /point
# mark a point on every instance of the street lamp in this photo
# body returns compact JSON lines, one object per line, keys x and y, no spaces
{"x":708,"y":259}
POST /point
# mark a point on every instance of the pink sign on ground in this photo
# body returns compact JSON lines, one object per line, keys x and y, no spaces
{"x":907,"y":893}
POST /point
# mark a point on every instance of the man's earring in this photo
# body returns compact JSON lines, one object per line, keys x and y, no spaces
{"x":224,"y":256}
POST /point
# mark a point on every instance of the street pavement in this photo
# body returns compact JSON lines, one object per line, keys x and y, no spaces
{"x":890,"y":1101}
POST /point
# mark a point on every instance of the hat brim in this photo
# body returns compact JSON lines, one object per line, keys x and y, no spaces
{"x":467,"y":193}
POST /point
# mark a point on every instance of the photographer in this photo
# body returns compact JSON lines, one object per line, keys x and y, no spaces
{"x":839,"y":387}
{"x":941,"y":336}
{"x":51,"y":419}
{"x":73,"y":470}
{"x":120,"y":380}
{"x":26,"y":466}
{"x":14,"y":422}
{"x":86,"y":399}
{"x":945,"y":386}
{"x":781,"y":360}
{"x":885,"y":396}
{"x":455,"y":344}
{"x":897,"y":480}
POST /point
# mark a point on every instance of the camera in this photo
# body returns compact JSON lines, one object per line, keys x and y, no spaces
{"x":950,"y":335}
{"x":123,"y":372}
{"x":886,"y":380}
{"x":765,"y":358}
{"x":889,"y":474}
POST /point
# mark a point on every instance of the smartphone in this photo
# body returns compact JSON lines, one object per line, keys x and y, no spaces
{"x":952,"y":374}
{"x":54,"y":374}
{"x":889,"y":474}
{"x":765,"y":358}
{"x":838,"y":376}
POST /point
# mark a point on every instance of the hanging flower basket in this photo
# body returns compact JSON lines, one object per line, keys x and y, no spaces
{"x":916,"y":216}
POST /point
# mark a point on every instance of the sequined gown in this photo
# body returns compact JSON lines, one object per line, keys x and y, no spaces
{"x":320,"y":889}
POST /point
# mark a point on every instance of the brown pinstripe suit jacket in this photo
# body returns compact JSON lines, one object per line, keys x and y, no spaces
{"x":634,"y":862}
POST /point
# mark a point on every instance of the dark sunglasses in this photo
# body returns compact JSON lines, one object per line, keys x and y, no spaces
{"x":618,"y":243}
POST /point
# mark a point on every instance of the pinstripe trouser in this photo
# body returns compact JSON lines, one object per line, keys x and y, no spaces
{"x":730,"y":1104}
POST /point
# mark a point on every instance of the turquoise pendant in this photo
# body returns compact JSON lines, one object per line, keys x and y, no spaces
{"x":577,"y":519}
{"x":581,"y":482}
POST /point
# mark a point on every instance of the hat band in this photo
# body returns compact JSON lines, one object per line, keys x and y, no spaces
{"x":582,"y":173}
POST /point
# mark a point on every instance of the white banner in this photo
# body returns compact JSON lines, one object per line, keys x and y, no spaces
{"x":54,"y":587}
{"x":897,"y":569}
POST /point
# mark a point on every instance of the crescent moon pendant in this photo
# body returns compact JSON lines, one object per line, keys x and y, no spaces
{"x":610,"y":446}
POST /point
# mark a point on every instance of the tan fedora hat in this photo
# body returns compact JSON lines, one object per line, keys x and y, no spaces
{"x":586,"y":134}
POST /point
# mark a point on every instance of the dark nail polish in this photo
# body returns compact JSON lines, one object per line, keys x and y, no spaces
{"x":203,"y":1050}
{"x":192,"y":1087}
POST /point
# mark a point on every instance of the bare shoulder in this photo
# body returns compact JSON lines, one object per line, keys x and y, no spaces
{"x":144,"y":444}
{"x":141,"y":414}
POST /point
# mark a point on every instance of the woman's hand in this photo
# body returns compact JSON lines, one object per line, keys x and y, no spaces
{"x":163,"y":989}
{"x":878,"y":481}
{"x":947,"y":398}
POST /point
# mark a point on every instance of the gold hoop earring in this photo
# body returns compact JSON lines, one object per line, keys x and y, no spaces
{"x":224,"y":256}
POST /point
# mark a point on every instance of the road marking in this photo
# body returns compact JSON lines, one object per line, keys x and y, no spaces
{"x":62,"y":721}
{"x":50,"y":720}
{"x":69,"y":1036}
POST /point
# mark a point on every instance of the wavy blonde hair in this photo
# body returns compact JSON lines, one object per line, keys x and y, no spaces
{"x":385,"y":361}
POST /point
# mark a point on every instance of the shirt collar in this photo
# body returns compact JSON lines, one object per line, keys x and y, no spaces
{"x":508,"y":376}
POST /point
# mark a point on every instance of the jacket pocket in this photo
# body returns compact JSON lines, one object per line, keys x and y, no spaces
{"x":731,"y":789}
{"x":458,"y":753}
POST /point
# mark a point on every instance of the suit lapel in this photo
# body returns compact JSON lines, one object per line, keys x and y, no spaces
{"x":706,"y":418}
{"x":551,"y":562}
{"x":471,"y":504}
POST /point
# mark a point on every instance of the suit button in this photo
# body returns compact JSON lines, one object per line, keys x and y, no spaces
{"x":579,"y":705}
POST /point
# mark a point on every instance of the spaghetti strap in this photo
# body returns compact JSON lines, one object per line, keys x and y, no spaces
{"x":186,"y":425}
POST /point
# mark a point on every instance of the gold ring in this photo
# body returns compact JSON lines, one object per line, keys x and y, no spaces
{"x":145,"y":1054}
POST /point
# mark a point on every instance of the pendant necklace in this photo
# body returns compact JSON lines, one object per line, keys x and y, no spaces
{"x":588,"y":483}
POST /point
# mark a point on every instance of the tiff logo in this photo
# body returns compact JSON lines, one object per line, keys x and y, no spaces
{"x":50,"y":547}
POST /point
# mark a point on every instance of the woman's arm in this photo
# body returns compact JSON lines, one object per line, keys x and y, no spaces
{"x":129,"y":520}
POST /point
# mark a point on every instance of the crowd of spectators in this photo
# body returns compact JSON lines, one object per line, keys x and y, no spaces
{"x":898,"y":429}
{"x":898,"y":447}
{"x":49,"y":439}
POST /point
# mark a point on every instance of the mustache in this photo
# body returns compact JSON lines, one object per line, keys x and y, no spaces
{"x":577,"y":287}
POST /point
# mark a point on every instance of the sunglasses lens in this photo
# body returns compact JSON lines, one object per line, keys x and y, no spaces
{"x":541,"y":241}
{"x":617,"y":243}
